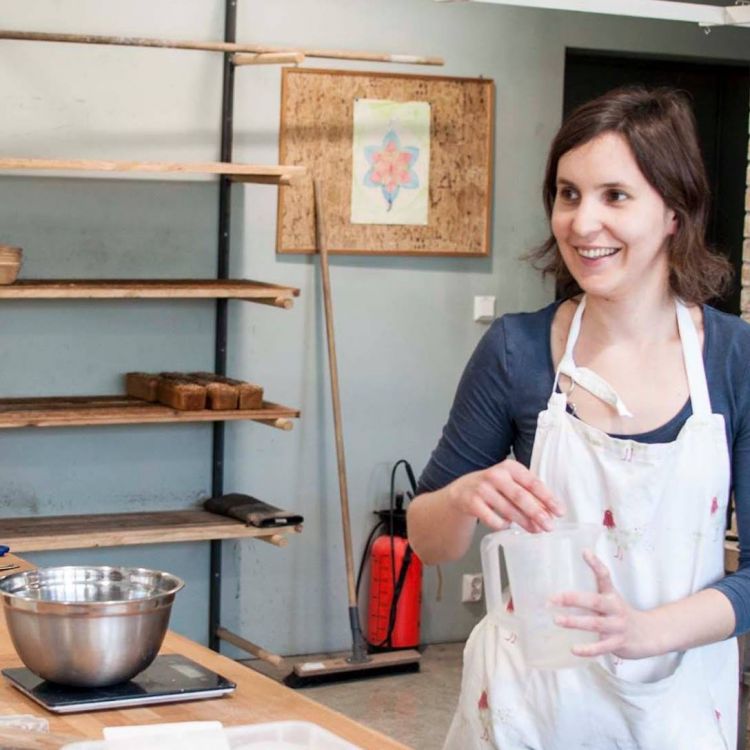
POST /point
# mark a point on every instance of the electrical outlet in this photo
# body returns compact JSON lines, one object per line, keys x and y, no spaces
{"x":484,"y":309}
{"x":471,"y":587}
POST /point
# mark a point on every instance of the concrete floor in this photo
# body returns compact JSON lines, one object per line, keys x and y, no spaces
{"x":414,"y":708}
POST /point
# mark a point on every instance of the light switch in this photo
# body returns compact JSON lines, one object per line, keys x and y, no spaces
{"x":484,"y":309}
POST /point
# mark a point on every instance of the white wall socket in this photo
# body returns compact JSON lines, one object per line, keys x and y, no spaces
{"x":471,"y":587}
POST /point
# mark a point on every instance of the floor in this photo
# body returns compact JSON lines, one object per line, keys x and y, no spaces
{"x":413,"y":708}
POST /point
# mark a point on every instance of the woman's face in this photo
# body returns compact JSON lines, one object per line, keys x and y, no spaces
{"x":611,"y":226}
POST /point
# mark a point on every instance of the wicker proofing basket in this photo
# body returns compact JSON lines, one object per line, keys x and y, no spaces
{"x":10,"y":263}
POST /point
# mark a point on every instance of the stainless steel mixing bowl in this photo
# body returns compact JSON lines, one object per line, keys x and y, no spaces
{"x":88,"y":626}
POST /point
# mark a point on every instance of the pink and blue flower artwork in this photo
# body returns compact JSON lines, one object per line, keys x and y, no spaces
{"x":390,"y":162}
{"x":391,"y":167}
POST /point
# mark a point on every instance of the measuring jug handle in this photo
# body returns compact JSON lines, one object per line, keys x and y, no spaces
{"x":493,"y":590}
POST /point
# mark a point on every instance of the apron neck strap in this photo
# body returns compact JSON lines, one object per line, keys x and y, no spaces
{"x":567,"y":365}
{"x":693,"y":358}
{"x":596,"y":385}
{"x":573,"y":333}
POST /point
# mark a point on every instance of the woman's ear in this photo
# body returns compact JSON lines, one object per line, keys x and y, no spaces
{"x":674,"y":222}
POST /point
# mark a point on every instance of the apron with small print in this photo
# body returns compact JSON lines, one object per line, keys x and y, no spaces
{"x":663,"y":509}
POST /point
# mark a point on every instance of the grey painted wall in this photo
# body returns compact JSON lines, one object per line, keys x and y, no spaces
{"x":404,"y":325}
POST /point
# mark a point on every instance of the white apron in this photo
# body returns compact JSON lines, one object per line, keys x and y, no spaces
{"x":663,"y":507}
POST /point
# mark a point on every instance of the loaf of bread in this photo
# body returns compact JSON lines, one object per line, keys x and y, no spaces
{"x":192,"y":391}
{"x":250,"y":394}
{"x":143,"y":385}
{"x":181,"y":393}
{"x":219,"y":396}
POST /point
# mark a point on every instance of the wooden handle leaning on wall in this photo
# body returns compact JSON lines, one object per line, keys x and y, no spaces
{"x":322,"y":246}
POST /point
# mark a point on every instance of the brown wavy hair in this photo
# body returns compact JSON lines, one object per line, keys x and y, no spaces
{"x":659,"y":127}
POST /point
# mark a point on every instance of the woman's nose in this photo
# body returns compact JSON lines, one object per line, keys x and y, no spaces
{"x":586,"y":219}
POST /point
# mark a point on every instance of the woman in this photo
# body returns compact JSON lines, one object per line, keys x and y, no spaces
{"x":634,"y":396}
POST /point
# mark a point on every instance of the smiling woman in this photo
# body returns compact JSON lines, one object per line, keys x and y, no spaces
{"x":657,"y":439}
{"x":657,"y":146}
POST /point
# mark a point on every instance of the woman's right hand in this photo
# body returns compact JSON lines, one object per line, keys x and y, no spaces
{"x":504,"y":493}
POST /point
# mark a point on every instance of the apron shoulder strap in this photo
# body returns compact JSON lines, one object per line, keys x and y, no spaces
{"x":567,"y":365}
{"x":693,"y":358}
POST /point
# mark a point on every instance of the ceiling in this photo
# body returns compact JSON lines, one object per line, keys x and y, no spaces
{"x":703,"y":12}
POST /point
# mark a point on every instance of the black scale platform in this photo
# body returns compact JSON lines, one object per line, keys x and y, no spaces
{"x":169,"y":679}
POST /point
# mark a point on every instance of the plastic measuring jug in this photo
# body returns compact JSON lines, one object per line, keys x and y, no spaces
{"x":538,"y":567}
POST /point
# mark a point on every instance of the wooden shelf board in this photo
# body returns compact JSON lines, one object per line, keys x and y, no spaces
{"x":120,"y":529}
{"x":147,"y":289}
{"x":77,"y":411}
{"x":239,"y":172}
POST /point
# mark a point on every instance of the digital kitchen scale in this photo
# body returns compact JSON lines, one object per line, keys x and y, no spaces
{"x":169,"y":679}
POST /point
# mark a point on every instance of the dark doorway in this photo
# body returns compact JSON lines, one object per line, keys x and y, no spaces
{"x":721,"y":100}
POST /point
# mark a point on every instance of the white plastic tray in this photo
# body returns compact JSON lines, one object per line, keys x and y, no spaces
{"x":280,"y":735}
{"x":285,"y":735}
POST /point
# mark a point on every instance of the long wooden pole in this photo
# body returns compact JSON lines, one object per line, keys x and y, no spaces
{"x":359,"y":650}
{"x":335,"y":396}
{"x":255,"y":49}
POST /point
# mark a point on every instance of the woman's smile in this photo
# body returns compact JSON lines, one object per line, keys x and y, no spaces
{"x":596,"y":252}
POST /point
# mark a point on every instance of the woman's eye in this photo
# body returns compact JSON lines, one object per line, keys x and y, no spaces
{"x":617,"y":196}
{"x":567,"y":194}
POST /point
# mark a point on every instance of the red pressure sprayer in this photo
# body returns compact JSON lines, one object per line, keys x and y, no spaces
{"x":395,"y":597}
{"x":404,"y":631}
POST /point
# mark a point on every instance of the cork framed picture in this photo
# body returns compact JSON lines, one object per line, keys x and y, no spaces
{"x":404,"y":162}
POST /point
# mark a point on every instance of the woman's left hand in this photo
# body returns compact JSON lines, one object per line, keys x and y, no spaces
{"x":623,"y":630}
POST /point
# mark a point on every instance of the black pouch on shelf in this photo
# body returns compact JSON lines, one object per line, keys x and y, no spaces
{"x":251,"y":511}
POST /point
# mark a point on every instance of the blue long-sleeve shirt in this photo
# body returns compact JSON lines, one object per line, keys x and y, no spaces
{"x":508,"y":381}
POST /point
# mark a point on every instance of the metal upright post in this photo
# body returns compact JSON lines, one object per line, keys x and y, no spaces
{"x":220,"y":356}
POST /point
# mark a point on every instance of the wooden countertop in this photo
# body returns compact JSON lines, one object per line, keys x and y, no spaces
{"x":10,"y":559}
{"x":257,"y":699}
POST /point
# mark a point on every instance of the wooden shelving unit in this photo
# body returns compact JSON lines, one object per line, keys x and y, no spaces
{"x":120,"y":529}
{"x":250,"y":291}
{"x":117,"y":529}
{"x":266,"y":174}
{"x":80,"y":411}
{"x":70,"y":532}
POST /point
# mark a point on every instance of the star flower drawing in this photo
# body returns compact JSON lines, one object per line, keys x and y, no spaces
{"x":391,"y":167}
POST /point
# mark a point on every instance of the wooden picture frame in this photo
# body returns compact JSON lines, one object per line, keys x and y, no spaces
{"x":316,"y":131}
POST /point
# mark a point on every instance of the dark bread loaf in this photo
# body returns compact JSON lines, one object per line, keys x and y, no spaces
{"x":181,"y":393}
{"x":250,"y":394}
{"x":143,"y":385}
{"x":219,"y":396}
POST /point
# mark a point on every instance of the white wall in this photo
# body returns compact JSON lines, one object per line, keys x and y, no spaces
{"x":404,"y":328}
